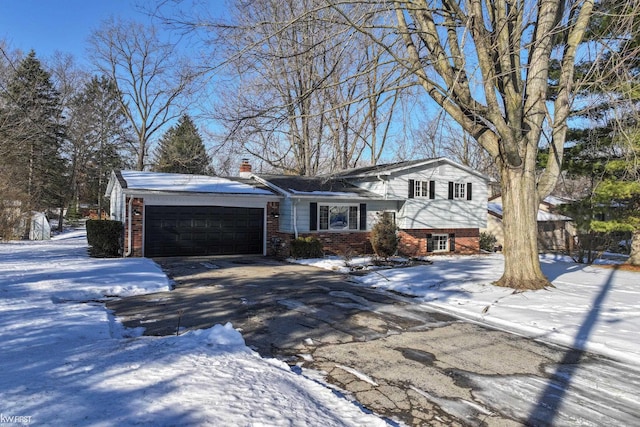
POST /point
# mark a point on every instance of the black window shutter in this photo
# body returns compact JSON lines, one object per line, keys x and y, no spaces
{"x":363,"y":216}
{"x":450,"y":190}
{"x":452,"y":242}
{"x":469,"y":191}
{"x":313,"y":216}
{"x":412,"y":187}
{"x":429,"y":243}
{"x":432,"y":189}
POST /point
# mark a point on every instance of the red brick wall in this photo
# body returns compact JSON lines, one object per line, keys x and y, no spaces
{"x":414,"y":242}
{"x":349,"y":243}
{"x":276,"y":242}
{"x":136,"y":226}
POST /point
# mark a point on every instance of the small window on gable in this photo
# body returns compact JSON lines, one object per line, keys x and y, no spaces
{"x":421,"y":189}
{"x":424,"y":189}
{"x":459,"y":190}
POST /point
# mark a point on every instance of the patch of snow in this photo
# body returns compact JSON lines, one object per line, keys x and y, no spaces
{"x":158,"y":181}
{"x":358,"y":374}
{"x":66,"y":362}
{"x":591,"y":308}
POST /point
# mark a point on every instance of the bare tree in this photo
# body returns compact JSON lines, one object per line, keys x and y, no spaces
{"x":299,"y":95}
{"x":151,"y":76}
{"x":487,"y":64}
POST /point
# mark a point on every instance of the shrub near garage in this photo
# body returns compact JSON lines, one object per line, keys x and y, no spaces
{"x":105,"y":238}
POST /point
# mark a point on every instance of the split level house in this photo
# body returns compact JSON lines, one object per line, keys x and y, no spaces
{"x":438,"y":206}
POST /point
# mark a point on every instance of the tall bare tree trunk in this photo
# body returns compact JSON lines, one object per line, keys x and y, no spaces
{"x":520,"y":206}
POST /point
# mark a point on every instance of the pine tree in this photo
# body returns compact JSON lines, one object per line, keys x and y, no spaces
{"x":181,"y":150}
{"x":384,"y":238}
{"x":97,"y":136}
{"x":32,"y":136}
{"x":607,"y":151}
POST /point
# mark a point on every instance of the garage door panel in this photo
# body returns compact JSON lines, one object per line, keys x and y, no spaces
{"x":203,"y":230}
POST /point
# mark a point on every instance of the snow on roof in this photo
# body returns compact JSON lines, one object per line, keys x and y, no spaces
{"x":496,"y":208}
{"x":556,"y":201}
{"x":158,"y":181}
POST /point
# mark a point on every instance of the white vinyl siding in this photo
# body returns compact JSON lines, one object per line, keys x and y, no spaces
{"x":440,"y":211}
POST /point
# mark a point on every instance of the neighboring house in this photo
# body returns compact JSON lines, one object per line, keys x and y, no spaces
{"x":438,"y":205}
{"x":555,"y":231}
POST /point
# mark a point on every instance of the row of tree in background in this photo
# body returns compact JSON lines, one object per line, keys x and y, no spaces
{"x":59,"y":143}
{"x":317,"y":86}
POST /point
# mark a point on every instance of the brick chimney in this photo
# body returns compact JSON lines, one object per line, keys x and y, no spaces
{"x":245,"y":168}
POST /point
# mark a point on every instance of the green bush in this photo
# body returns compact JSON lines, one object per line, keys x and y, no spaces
{"x":105,"y":238}
{"x":383,"y":237}
{"x":306,"y":247}
{"x":487,"y":241}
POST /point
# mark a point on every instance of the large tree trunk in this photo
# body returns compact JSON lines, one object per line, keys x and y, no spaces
{"x":520,"y":206}
{"x":634,"y":256}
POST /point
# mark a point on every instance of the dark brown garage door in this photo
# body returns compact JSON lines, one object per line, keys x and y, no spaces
{"x":202,"y":230}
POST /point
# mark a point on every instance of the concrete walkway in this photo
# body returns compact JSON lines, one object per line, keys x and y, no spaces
{"x":393,"y":356}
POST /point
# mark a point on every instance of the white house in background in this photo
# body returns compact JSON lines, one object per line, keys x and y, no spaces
{"x":438,"y":205}
{"x":555,"y":231}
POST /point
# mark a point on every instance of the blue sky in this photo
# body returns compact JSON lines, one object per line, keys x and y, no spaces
{"x":59,"y":25}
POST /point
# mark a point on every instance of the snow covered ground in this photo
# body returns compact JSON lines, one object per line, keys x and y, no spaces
{"x":591,"y":307}
{"x":65,"y":361}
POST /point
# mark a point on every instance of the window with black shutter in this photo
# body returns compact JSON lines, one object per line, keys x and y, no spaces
{"x":363,"y":216}
{"x":313,"y":216}
{"x":432,"y":189}
{"x":469,"y":185}
{"x":452,"y":242}
{"x":429,"y":243}
{"x":412,"y":184}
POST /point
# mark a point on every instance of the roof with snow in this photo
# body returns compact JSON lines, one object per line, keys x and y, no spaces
{"x":301,"y":186}
{"x":496,"y":209}
{"x":176,"y":182}
{"x":387,"y":168}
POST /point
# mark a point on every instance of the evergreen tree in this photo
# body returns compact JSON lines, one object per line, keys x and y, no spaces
{"x":384,"y":238}
{"x":97,"y":136}
{"x":32,"y":135}
{"x":181,"y":150}
{"x":607,"y":151}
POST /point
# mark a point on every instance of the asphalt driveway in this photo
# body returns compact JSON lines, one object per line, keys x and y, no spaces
{"x":390,"y":354}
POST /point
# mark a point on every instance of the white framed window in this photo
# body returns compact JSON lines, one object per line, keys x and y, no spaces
{"x":440,"y":242}
{"x":459,"y":190}
{"x":421,"y":188}
{"x":338,"y":217}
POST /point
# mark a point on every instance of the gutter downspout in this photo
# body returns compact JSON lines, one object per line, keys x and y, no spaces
{"x":130,"y":227}
{"x":384,"y":179}
{"x":295,"y":218}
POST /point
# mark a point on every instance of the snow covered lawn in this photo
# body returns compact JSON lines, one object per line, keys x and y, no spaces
{"x":65,"y":361}
{"x":591,"y":307}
